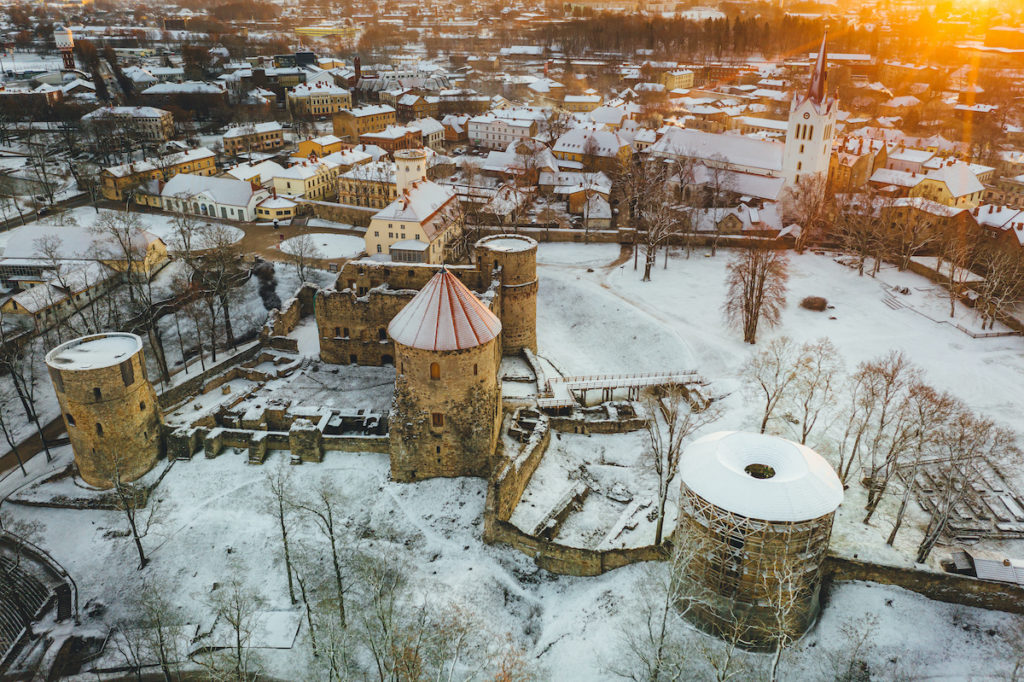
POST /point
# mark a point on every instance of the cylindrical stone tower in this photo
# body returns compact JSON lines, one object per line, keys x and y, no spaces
{"x":109,"y":407}
{"x":754,"y":525}
{"x":410,"y":167}
{"x":516,"y":255}
{"x":446,"y":413}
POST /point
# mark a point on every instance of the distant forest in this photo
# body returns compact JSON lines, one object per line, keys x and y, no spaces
{"x":690,"y":39}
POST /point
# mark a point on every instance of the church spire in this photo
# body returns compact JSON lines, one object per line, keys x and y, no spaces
{"x":816,"y":90}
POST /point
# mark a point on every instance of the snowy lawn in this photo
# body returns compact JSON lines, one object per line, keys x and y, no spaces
{"x":609,"y":321}
{"x":328,"y":246}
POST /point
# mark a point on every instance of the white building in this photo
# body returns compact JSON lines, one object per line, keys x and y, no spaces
{"x":812,"y":127}
{"x":491,"y":131}
{"x":225,"y":198}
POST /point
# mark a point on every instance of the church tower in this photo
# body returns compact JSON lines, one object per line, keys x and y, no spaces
{"x":812,"y":123}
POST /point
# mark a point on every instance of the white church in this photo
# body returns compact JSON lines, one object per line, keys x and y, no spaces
{"x":770,"y":166}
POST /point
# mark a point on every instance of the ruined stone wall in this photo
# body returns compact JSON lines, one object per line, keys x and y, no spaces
{"x":114,"y":426}
{"x":465,"y":399}
{"x":562,"y":559}
{"x":510,"y":482}
{"x":946,"y":587}
{"x":352,"y":318}
{"x":353,"y":329}
{"x":284,"y":321}
{"x":339,"y":213}
{"x":195,"y":384}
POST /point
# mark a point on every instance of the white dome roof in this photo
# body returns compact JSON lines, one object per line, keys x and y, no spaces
{"x":761,"y":477}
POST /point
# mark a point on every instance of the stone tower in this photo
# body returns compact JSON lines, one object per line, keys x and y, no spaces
{"x":517,"y":257}
{"x":410,"y":167}
{"x":812,"y":126}
{"x":109,"y":407}
{"x":446,"y":413}
{"x":755,"y":513}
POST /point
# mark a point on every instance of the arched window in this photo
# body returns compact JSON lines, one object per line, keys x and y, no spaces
{"x":435,"y":371}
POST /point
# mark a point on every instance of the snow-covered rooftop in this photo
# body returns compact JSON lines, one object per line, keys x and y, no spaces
{"x":94,"y":352}
{"x":797,"y":484}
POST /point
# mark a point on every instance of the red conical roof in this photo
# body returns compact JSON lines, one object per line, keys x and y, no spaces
{"x":444,"y":315}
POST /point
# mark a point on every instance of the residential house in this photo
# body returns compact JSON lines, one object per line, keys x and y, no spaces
{"x":117,"y":181}
{"x":393,"y":138}
{"x":595,"y":149}
{"x":350,"y":124}
{"x":317,"y":99}
{"x":259,"y":137}
{"x":147,"y":123}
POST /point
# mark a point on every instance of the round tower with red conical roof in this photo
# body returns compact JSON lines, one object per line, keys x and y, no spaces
{"x":446,"y":413}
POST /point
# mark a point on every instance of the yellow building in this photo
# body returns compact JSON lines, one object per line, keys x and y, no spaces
{"x":310,"y":179}
{"x":260,"y":137}
{"x":953,"y":185}
{"x":117,"y":181}
{"x":319,"y":146}
{"x":581,"y":102}
{"x":371,"y":185}
{"x":423,"y":223}
{"x":372,"y":118}
{"x":677,"y":79}
{"x":596,"y":149}
{"x":317,"y":99}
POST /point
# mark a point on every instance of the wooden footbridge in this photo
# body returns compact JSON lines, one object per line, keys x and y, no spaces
{"x":569,"y":391}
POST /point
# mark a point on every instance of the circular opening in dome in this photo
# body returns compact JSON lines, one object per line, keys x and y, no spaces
{"x":761,"y":471}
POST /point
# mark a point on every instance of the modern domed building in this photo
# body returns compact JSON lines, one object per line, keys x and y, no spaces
{"x":757,"y":512}
{"x":446,"y":414}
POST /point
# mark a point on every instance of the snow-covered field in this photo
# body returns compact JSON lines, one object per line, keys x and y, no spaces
{"x":607,"y":320}
{"x":327,"y":245}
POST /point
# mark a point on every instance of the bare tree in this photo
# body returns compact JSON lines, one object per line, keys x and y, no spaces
{"x":7,"y":398}
{"x":887,"y":381}
{"x":280,"y":500}
{"x":238,"y":609}
{"x":911,"y":231}
{"x":929,"y":410}
{"x":773,"y":373}
{"x":322,"y":508}
{"x":302,"y":252}
{"x":120,"y":237}
{"x":652,"y":646}
{"x":22,"y":361}
{"x":859,"y":228}
{"x":819,"y":371}
{"x":757,"y":289}
{"x":681,"y":416}
{"x":957,"y":257}
{"x":808,"y":203}
{"x":1003,"y":283}
{"x":646,"y":189}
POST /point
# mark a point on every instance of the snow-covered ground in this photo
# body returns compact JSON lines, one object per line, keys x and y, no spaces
{"x":329,"y":246}
{"x":610,"y":321}
{"x":159,"y":224}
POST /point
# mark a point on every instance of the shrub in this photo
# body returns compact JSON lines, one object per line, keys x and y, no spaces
{"x":816,"y":303}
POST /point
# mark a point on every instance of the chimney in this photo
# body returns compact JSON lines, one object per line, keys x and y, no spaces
{"x":273,"y":191}
{"x":991,"y":208}
{"x":977,"y":210}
